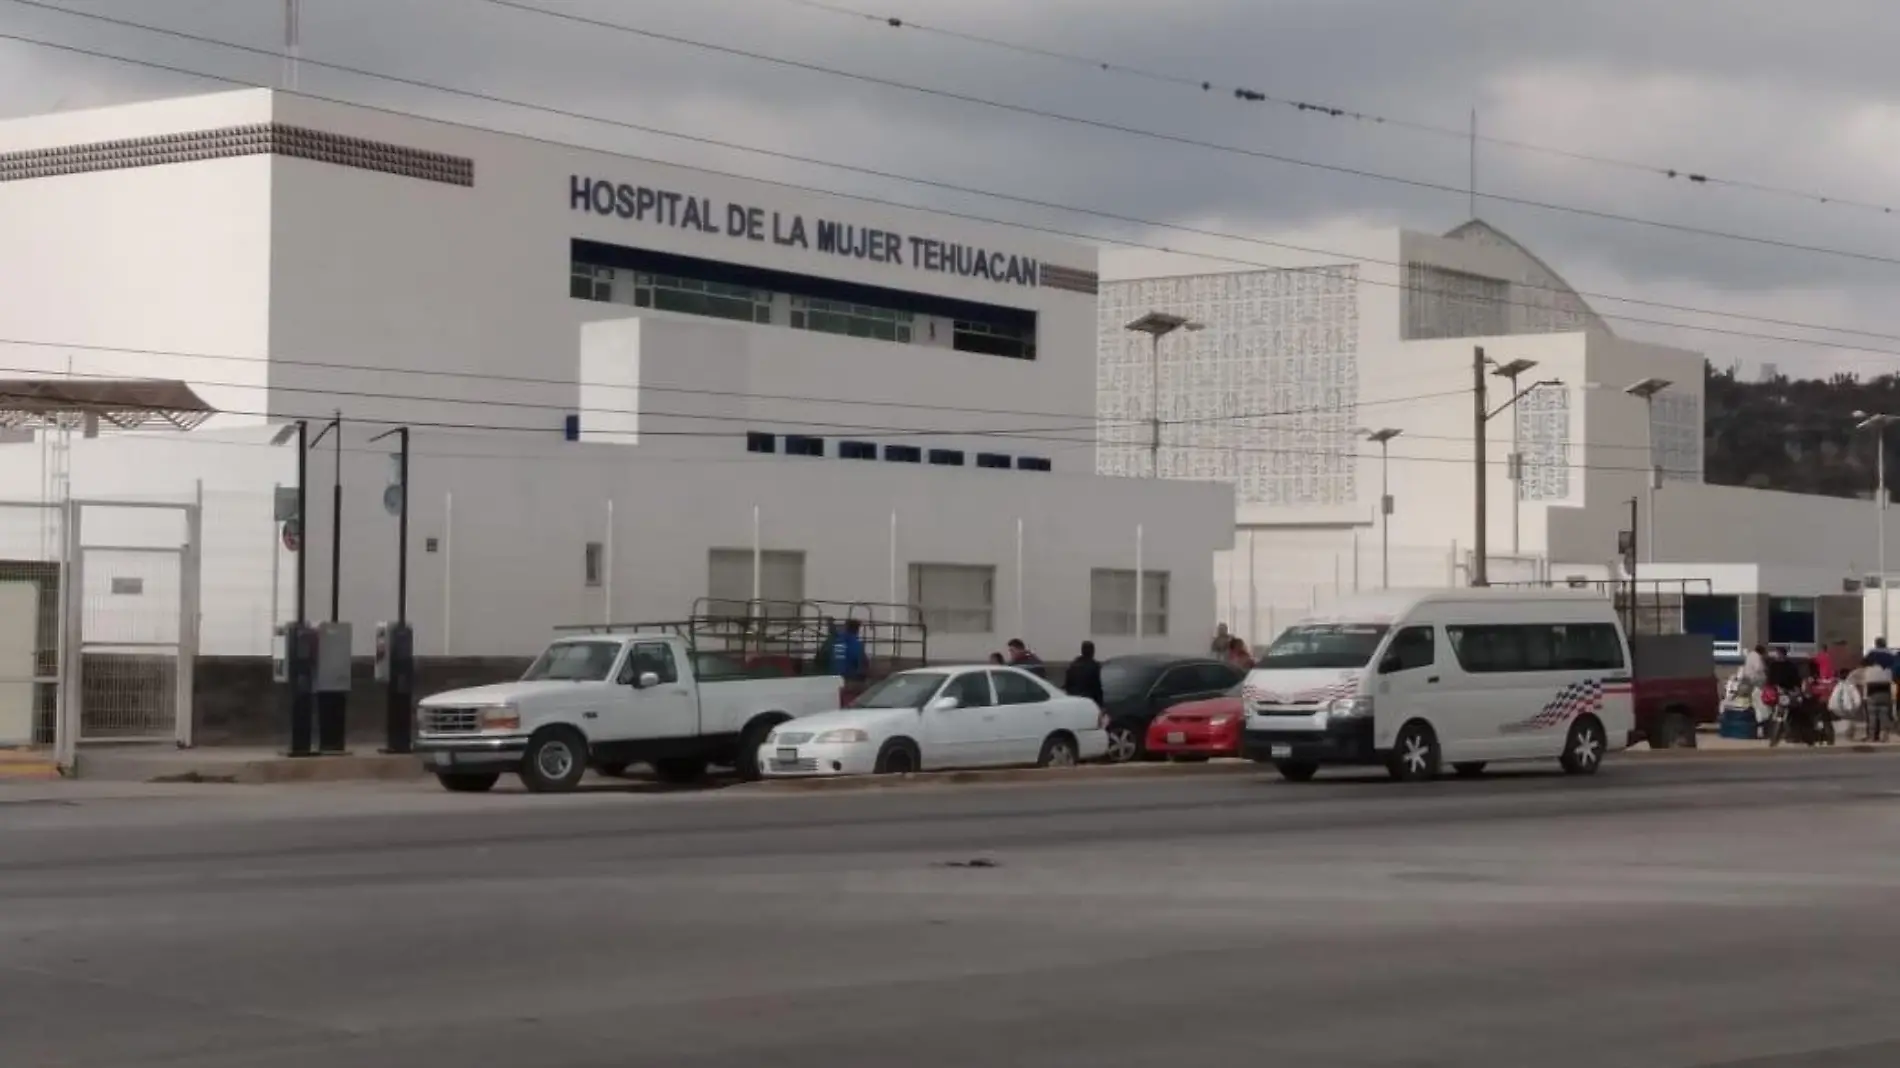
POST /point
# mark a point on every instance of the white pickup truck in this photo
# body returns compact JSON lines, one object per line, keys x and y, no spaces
{"x":607,"y":701}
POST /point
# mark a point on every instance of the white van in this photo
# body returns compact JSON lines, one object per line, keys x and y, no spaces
{"x":1415,"y":681}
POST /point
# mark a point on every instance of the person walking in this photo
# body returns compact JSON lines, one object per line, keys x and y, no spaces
{"x":1084,"y":677}
{"x":1876,"y":692}
{"x":1238,"y":655}
{"x":1021,"y":657}
{"x":847,"y":652}
{"x":1222,"y":641}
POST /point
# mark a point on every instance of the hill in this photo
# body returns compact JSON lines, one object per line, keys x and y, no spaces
{"x":1797,"y":435}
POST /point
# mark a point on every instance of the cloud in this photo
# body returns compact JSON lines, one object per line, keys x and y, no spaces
{"x":1735,"y":88}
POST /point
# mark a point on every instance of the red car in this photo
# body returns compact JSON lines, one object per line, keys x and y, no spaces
{"x":1199,"y":730}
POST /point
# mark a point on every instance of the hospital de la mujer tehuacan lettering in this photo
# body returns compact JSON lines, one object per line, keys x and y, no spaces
{"x":684,"y":211}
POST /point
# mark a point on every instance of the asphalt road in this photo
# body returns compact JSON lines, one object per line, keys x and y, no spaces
{"x":1702,"y":913}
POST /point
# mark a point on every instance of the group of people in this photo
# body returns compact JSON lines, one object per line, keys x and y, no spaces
{"x":1863,"y":695}
{"x":1231,"y":648}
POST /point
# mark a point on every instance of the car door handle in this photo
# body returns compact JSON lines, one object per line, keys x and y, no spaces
{"x":1434,"y":678}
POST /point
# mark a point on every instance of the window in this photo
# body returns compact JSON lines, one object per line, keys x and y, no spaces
{"x":851,"y":320}
{"x":757,"y":442}
{"x":1790,"y":620}
{"x":992,"y":460}
{"x":955,"y":598}
{"x":593,"y":563}
{"x":991,"y":339}
{"x":1014,"y":689}
{"x":1324,"y":645}
{"x":800,"y":445}
{"x":588,"y":282}
{"x":947,"y":457}
{"x":1214,"y":678}
{"x":691,"y":296}
{"x":856,"y":450}
{"x":903,"y":454}
{"x":1112,"y":602}
{"x":654,"y":657}
{"x":1413,"y":647}
{"x":729,"y":585}
{"x":579,"y":661}
{"x":972,"y":690}
{"x":1527,"y":647}
{"x":1031,"y":463}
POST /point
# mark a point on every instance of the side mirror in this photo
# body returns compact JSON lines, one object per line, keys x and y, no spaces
{"x":945,"y":704}
{"x":647,"y":680}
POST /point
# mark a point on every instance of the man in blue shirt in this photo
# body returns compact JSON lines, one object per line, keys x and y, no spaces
{"x":1880,"y":654}
{"x":847,"y":651}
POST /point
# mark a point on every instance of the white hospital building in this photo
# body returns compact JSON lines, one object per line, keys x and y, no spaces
{"x":627,"y":382}
{"x":1279,"y":378}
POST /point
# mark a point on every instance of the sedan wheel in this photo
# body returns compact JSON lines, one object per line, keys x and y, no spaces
{"x":1124,"y":744}
{"x":1058,"y":751}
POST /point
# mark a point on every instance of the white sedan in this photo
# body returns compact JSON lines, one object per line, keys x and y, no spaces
{"x":941,"y":717}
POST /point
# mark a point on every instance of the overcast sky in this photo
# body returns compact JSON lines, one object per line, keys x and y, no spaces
{"x":1798,"y":96}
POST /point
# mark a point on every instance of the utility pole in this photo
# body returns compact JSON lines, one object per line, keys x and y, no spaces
{"x":1480,"y":547}
{"x":336,"y":525}
{"x":395,"y":644}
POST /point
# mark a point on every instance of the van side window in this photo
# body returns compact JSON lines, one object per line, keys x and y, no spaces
{"x":1528,"y":647}
{"x":1412,"y":647}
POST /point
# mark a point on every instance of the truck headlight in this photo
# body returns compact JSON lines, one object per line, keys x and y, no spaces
{"x":846,"y":736}
{"x":501,"y":718}
{"x":1350,"y":708}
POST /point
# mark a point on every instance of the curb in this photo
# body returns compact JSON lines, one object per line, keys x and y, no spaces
{"x":1085,"y":773}
{"x":345,"y":768}
{"x":1759,"y":752}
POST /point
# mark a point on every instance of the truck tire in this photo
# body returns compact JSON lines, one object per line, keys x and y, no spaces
{"x":747,"y":762}
{"x":555,"y":761}
{"x":468,"y":782}
{"x":680,"y":770}
{"x":1674,"y":730}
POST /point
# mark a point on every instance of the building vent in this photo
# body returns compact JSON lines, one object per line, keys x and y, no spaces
{"x":255,"y":139}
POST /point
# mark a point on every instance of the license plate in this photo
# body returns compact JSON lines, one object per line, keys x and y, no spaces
{"x":1176,"y":737}
{"x":788,"y":754}
{"x":1282,"y":751}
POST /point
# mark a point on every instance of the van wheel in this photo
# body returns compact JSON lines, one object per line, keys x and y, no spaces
{"x":555,"y":761}
{"x":468,"y":782}
{"x":1296,"y":771}
{"x":1468,"y":769}
{"x":1584,"y":748}
{"x":1415,"y":755}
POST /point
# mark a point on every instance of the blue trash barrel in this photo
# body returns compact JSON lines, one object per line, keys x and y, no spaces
{"x":1736,"y":723}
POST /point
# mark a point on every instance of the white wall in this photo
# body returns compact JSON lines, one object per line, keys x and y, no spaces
{"x":175,"y":259}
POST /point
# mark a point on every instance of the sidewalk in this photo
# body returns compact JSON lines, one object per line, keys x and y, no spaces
{"x":249,"y":765}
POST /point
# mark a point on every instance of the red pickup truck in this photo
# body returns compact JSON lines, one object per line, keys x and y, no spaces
{"x":1676,"y":688}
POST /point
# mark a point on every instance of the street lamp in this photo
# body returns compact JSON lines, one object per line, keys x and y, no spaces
{"x":396,"y":657}
{"x":301,"y":431}
{"x":1878,"y":424}
{"x":1157,"y":325}
{"x":1480,"y":566}
{"x":1383,"y":438}
{"x":1647,"y":390}
{"x":1515,"y":468}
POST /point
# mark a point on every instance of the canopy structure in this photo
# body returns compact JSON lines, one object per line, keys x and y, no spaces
{"x":83,"y":404}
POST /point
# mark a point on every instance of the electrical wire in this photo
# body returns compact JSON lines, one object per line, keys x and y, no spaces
{"x":1244,"y":94}
{"x":1165,"y":137}
{"x":1052,"y":231}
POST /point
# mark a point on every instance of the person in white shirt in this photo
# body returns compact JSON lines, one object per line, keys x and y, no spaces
{"x":1876,"y":689}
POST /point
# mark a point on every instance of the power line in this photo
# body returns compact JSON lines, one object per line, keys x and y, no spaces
{"x":871,"y":172}
{"x":1163,"y":136}
{"x":1245,"y":94}
{"x":1096,"y":423}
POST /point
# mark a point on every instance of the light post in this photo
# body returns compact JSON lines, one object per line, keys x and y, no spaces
{"x":395,"y":652}
{"x":1157,"y":325}
{"x":297,"y":664}
{"x":1647,"y":390}
{"x":1480,"y":417}
{"x":1383,"y":438}
{"x":1878,"y":424}
{"x":1515,"y":467}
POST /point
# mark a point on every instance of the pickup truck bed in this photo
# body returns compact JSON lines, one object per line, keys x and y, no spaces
{"x":1676,"y":688}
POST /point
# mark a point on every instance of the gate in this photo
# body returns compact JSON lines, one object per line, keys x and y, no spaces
{"x":30,"y":623}
{"x":131,"y":625}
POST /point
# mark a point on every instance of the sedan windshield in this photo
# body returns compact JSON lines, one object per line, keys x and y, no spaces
{"x":1324,"y":645}
{"x":909,"y":690}
{"x":574,"y":662}
{"x":1122,"y":679}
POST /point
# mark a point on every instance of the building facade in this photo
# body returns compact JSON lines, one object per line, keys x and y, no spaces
{"x":1281,"y":377}
{"x":629,"y":385}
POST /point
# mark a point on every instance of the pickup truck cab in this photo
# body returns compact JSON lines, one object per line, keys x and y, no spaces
{"x":606,"y":701}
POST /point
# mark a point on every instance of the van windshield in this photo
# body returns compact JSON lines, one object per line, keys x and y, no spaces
{"x":1324,"y":645}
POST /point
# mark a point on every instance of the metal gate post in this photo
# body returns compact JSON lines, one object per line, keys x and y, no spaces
{"x":189,"y":571}
{"x":70,"y":690}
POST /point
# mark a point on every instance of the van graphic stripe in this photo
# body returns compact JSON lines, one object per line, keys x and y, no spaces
{"x":1572,"y":701}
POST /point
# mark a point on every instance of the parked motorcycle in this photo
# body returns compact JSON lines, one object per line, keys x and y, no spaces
{"x":1797,"y":716}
